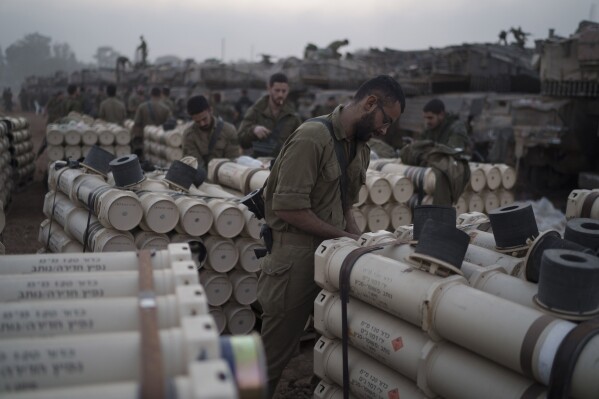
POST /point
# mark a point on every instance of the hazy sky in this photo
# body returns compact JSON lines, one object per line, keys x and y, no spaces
{"x":196,"y":28}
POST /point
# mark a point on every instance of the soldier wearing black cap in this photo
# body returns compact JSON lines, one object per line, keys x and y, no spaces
{"x":208,"y":137}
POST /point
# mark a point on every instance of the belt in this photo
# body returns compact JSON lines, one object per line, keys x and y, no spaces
{"x":286,"y":237}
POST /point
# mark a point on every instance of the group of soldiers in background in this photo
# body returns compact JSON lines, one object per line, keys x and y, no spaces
{"x":259,"y":128}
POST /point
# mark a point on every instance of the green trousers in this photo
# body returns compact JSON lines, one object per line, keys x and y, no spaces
{"x":286,"y":292}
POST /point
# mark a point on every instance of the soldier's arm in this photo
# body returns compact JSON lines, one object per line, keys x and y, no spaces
{"x":350,"y":223}
{"x":190,"y":148}
{"x":300,"y":167}
{"x":306,"y":220}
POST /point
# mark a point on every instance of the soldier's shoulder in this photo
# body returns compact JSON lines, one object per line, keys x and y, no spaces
{"x":314,"y":131}
{"x":229,"y":129}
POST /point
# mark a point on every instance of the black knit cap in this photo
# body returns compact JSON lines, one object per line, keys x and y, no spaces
{"x":197,"y":104}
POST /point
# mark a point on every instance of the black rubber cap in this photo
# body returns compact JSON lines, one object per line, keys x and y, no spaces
{"x":200,"y":176}
{"x":549,"y":240}
{"x":443,"y":242}
{"x":126,"y":170}
{"x":181,"y":175}
{"x":98,"y":160}
{"x":513,"y":225}
{"x":583,"y":231}
{"x":568,"y":281}
{"x":440,"y":213}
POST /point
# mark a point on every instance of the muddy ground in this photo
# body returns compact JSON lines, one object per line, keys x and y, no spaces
{"x":24,"y":215}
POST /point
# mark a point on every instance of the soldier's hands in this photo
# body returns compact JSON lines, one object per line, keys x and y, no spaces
{"x":261,"y":132}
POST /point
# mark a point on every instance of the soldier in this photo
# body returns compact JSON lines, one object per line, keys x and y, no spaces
{"x":242,"y":104}
{"x":168,"y":101}
{"x":72,"y":102}
{"x":267,"y":124}
{"x":305,"y":204}
{"x":112,"y":109}
{"x":326,"y":108}
{"x":7,"y":97}
{"x":223,"y":109}
{"x":143,"y":50}
{"x":24,"y":99}
{"x":209,"y":136}
{"x":55,"y":109}
{"x":135,"y":99}
{"x":444,"y":147}
{"x":152,"y":112}
{"x":444,"y":128}
{"x":503,"y":38}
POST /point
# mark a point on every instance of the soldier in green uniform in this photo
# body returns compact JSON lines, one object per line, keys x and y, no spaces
{"x":73,"y":102}
{"x":135,"y":99}
{"x":381,"y":149}
{"x":326,"y":108}
{"x":267,"y":124}
{"x":55,"y":109}
{"x":208,"y":137}
{"x":168,"y":101}
{"x":223,"y":109}
{"x":444,"y":147}
{"x":112,"y":109}
{"x":152,"y":112}
{"x":443,"y":127}
{"x":304,"y":205}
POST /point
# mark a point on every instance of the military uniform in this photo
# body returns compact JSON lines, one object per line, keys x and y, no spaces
{"x":73,"y":104}
{"x":56,"y":109}
{"x":305,"y":176}
{"x":170,"y":104}
{"x":281,"y":127}
{"x":450,"y":132}
{"x":196,"y":142}
{"x":382,"y":149}
{"x":133,"y":103}
{"x":152,"y":112}
{"x":112,"y":110}
{"x":226,"y":111}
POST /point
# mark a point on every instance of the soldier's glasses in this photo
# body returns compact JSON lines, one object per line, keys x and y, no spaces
{"x":386,"y":119}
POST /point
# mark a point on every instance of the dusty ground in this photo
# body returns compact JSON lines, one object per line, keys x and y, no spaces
{"x":24,"y":215}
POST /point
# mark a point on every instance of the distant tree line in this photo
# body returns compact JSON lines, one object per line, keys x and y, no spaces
{"x":35,"y":54}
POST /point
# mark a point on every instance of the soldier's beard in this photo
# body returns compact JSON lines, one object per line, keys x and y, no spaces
{"x":364,"y":128}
